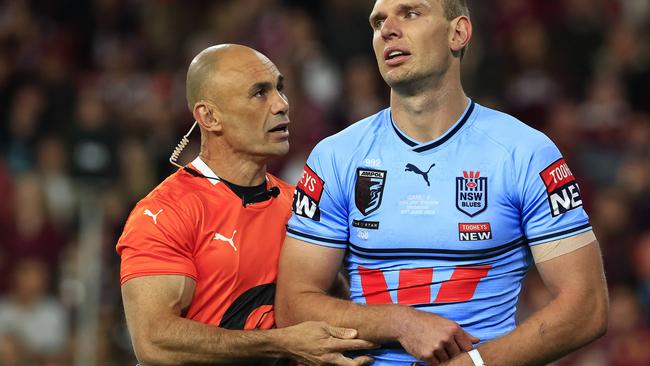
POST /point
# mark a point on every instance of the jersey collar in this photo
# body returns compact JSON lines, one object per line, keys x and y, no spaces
{"x":204,"y":169}
{"x":421,"y":147}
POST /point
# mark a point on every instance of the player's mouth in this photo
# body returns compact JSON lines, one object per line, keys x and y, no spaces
{"x":280,"y":130}
{"x":395,"y":56}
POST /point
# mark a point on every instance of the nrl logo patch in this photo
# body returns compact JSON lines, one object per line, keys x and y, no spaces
{"x":369,"y":190}
{"x":471,"y":193}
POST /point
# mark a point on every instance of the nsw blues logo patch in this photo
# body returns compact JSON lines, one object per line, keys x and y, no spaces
{"x":369,"y":189}
{"x":471,"y":193}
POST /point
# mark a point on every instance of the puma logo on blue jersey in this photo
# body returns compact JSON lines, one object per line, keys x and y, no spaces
{"x":425,"y":175}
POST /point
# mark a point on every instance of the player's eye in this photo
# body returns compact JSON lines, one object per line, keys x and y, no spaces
{"x":378,"y":23}
{"x":260,"y":93}
{"x":412,"y":14}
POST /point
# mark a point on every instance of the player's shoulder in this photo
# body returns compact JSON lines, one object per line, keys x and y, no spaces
{"x":358,"y":135}
{"x":509,"y":132}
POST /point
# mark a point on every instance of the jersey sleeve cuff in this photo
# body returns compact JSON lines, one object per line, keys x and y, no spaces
{"x":314,"y":239}
{"x":541,"y":239}
{"x":131,"y":276}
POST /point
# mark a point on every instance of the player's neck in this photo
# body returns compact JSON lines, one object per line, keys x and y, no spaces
{"x":234,"y":168}
{"x":429,"y":113}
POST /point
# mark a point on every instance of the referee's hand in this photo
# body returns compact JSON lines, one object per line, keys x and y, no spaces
{"x":318,"y":343}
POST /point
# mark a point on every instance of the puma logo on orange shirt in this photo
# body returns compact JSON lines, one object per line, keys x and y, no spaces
{"x":230,"y":241}
{"x":148,"y":212}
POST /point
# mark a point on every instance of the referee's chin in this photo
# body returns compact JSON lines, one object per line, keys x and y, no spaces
{"x":271,"y":152}
{"x":279,"y":149}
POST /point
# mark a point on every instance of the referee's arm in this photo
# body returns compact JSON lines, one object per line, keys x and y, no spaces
{"x":161,"y":336}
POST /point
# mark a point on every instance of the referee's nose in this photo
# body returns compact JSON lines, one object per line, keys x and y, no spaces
{"x":280,"y":103}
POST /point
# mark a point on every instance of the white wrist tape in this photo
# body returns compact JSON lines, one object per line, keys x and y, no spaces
{"x":476,"y":357}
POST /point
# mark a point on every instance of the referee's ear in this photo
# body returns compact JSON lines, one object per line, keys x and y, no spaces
{"x":208,"y":116}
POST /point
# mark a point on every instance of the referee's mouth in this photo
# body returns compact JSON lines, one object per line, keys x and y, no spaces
{"x":280,"y":130}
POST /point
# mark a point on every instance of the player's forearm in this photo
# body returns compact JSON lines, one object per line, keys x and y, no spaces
{"x":181,"y":341}
{"x":565,"y":324}
{"x":375,"y":323}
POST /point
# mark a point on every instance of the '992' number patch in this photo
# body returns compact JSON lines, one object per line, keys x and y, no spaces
{"x":561,"y":187}
{"x":307,"y":196}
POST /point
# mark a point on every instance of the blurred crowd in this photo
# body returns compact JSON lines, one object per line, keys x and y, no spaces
{"x":92,"y":98}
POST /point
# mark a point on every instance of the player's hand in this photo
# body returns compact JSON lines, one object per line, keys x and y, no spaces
{"x":318,"y":343}
{"x":432,"y":338}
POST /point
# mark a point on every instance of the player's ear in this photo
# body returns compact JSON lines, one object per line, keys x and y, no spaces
{"x":208,"y":116}
{"x":460,"y":32}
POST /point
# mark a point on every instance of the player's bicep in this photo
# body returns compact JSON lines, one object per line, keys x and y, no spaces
{"x":149,"y":300}
{"x":577,"y":274}
{"x":306,"y":267}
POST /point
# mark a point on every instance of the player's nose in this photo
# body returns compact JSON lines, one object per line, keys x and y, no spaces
{"x":390,"y":28}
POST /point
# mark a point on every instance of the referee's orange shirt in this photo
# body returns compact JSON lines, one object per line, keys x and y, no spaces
{"x":198,"y":228}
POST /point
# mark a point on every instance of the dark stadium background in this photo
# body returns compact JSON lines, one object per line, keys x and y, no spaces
{"x":92,"y":103}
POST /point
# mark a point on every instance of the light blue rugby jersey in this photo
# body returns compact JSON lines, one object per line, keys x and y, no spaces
{"x":444,"y":226}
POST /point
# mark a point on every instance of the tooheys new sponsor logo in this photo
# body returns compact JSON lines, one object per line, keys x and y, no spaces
{"x":307,"y":195}
{"x":473,"y":232}
{"x":561,"y":187}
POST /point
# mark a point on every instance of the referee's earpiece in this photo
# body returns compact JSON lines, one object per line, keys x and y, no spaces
{"x":181,"y":145}
{"x":185,"y":140}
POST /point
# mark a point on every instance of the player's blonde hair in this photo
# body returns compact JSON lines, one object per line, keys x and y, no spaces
{"x":453,"y":9}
